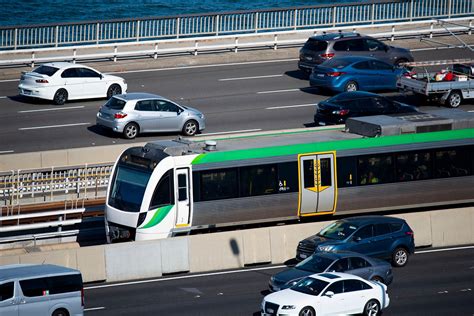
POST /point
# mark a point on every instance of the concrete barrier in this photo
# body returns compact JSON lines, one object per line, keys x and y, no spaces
{"x":91,"y":262}
{"x":174,"y":255}
{"x":452,"y":227}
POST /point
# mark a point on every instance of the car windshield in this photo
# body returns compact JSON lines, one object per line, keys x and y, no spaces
{"x":115,"y":104}
{"x":336,"y":63}
{"x":314,"y":264}
{"x":46,"y":70}
{"x":310,"y":286}
{"x":315,"y":45}
{"x":338,"y":230}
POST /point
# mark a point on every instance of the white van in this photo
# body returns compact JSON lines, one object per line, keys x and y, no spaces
{"x":37,"y":290}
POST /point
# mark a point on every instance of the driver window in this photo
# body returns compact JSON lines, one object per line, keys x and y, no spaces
{"x":164,"y":106}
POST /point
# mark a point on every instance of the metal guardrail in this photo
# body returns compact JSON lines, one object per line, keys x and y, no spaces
{"x":216,"y":24}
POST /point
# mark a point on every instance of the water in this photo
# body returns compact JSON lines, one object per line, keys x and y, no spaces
{"x":17,"y":12}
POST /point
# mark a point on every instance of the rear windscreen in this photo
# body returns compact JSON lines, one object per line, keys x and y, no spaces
{"x":315,"y":45}
{"x":115,"y":104}
{"x":46,"y":70}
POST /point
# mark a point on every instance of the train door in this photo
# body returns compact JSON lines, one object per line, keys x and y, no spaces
{"x":317,"y":183}
{"x":183,"y":202}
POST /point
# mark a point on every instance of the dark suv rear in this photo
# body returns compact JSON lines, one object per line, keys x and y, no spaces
{"x":376,"y":236}
{"x":320,"y":48}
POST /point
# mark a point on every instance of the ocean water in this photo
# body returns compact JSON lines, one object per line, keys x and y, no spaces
{"x":27,"y":12}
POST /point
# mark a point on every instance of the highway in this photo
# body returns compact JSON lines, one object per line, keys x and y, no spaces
{"x":248,"y":96}
{"x":435,"y":282}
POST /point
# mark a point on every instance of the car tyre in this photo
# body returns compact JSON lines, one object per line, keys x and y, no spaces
{"x":400,"y":257}
{"x":307,"y":311}
{"x":454,"y":100}
{"x":372,"y":308}
{"x":60,"y":97}
{"x":113,"y":90}
{"x":351,"y":86}
{"x":60,"y":312}
{"x":190,"y":128}
{"x":130,"y":131}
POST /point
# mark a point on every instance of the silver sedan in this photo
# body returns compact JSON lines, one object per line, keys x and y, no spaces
{"x":134,"y":113}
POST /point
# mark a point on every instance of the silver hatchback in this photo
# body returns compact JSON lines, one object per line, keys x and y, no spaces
{"x":134,"y":113}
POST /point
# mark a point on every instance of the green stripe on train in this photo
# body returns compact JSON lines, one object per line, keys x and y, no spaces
{"x":359,"y":143}
{"x":159,"y":215}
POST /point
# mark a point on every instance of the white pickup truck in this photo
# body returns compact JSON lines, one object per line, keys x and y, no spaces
{"x":450,"y":93}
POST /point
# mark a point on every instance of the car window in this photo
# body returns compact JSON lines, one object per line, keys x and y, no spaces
{"x":338,"y":230}
{"x":382,"y":105}
{"x":6,"y":291}
{"x":115,"y":104}
{"x":64,"y":284}
{"x":314,"y":264}
{"x":70,"y":73}
{"x":395,"y":227}
{"x":374,"y":45}
{"x":315,"y":45}
{"x":359,"y":263}
{"x":46,"y":70}
{"x":341,"y":46}
{"x":88,"y":73}
{"x":365,"y":232}
{"x":336,"y":287}
{"x":355,"y":45}
{"x":145,"y":105}
{"x":310,"y":286}
{"x":382,"y":229}
{"x":353,"y":285}
{"x":340,"y":265}
{"x":363,"y":65}
{"x":34,"y":287}
{"x":165,"y":106}
{"x":379,"y":65}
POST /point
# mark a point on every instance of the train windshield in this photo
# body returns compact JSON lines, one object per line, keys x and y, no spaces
{"x":128,"y":188}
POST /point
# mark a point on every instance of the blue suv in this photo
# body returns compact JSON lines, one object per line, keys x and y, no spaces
{"x":376,"y":236}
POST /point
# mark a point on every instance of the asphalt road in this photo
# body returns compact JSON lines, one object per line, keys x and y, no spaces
{"x":433,"y":283}
{"x":238,"y":97}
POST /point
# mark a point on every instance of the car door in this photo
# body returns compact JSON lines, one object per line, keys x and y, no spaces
{"x":146,"y":116}
{"x":169,"y":116}
{"x":362,"y":240}
{"x":382,"y":240}
{"x":364,"y":75}
{"x":360,"y":267}
{"x":376,"y":49}
{"x":73,"y":83}
{"x":8,"y":301}
{"x":356,"y":294}
{"x":33,"y":299}
{"x":385,"y":75}
{"x":333,"y":305}
{"x":94,"y":85}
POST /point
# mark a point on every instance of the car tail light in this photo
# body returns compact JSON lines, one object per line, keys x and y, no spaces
{"x":120,"y":115}
{"x":82,"y":297}
{"x":341,"y":112}
{"x":41,"y":81}
{"x":410,"y":233}
{"x":335,"y":74}
{"x":328,"y":56}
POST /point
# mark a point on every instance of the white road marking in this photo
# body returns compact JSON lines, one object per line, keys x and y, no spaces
{"x":471,"y":111}
{"x":278,"y":91}
{"x":230,"y":272}
{"x":52,"y":126}
{"x":53,"y":109}
{"x":444,"y":249}
{"x":254,"y":77}
{"x":9,"y":80}
{"x":465,"y":290}
{"x":231,"y":132}
{"x":3,"y":97}
{"x":93,"y":309}
{"x":7,"y":151}
{"x":289,"y":106}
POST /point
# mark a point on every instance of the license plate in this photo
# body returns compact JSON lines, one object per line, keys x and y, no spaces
{"x":320,"y":75}
{"x":322,"y":123}
{"x":303,"y":256}
{"x":270,"y":311}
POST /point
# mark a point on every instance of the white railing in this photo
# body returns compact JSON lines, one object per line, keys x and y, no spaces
{"x":258,"y":21}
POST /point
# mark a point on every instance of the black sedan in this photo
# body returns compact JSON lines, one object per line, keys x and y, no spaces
{"x":337,"y":109}
{"x":337,"y":261}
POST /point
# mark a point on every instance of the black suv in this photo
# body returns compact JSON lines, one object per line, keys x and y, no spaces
{"x":320,"y":48}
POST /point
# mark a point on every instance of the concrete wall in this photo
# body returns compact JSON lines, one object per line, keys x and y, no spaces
{"x":230,"y":250}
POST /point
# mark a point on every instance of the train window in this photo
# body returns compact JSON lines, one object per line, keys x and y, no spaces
{"x":414,"y":166}
{"x":346,"y":171}
{"x":455,"y":162}
{"x":375,"y":169}
{"x":308,"y":167}
{"x":219,"y":184}
{"x":182,"y":187}
{"x":258,"y":180}
{"x":163,"y":191}
{"x":326,"y":177}
{"x":288,"y":177}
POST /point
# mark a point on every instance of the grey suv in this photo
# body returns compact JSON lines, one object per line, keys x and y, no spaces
{"x":320,"y":48}
{"x":134,"y":113}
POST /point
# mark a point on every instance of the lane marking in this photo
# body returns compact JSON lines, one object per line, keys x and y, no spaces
{"x":52,"y":126}
{"x":233,"y":271}
{"x":254,"y":77}
{"x":53,"y":109}
{"x":289,"y":106}
{"x":471,"y":111}
{"x":278,"y":91}
{"x":7,"y":151}
{"x":231,"y":132}
{"x":3,"y":97}
{"x":93,"y":309}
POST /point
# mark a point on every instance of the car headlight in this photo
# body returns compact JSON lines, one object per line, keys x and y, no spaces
{"x":272,"y":279}
{"x":286,"y":307}
{"x":325,"y":248}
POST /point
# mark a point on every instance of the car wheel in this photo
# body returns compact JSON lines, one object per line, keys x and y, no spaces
{"x":377,"y":279}
{"x":60,"y":97}
{"x":372,"y":308}
{"x":454,"y":99}
{"x":400,"y":257}
{"x":307,"y":311}
{"x":351,"y":86}
{"x":190,"y":128}
{"x":113,"y":90}
{"x":60,"y":312}
{"x":130,"y":131}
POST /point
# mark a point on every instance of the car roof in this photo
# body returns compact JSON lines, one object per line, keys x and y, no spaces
{"x":334,"y":276}
{"x":335,"y":36}
{"x":356,"y":95}
{"x":370,"y":219}
{"x":23,"y":271}
{"x":139,"y":96}
{"x":63,"y":64}
{"x":337,"y":254}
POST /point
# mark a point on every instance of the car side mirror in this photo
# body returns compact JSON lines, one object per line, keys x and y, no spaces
{"x":329,"y":294}
{"x":101,"y":76}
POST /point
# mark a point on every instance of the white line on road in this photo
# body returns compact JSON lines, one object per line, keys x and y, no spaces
{"x":278,"y":91}
{"x":93,"y":309}
{"x":52,"y":126}
{"x":53,"y":109}
{"x":7,"y":151}
{"x":3,"y":97}
{"x":254,"y":77}
{"x":231,"y":132}
{"x":235,"y":271}
{"x":289,"y":106}
{"x":9,"y":80}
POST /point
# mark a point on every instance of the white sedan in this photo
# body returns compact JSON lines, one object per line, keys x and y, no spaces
{"x":63,"y":81}
{"x":328,"y":294}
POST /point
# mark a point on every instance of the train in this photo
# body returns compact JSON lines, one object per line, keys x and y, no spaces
{"x":173,"y":187}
